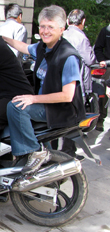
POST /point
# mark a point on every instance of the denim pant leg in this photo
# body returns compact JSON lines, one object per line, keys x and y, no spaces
{"x":23,"y":139}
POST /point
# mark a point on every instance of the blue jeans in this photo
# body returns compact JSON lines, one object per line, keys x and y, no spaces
{"x":23,"y":139}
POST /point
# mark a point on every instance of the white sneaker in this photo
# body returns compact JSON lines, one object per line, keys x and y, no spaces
{"x":35,"y":160}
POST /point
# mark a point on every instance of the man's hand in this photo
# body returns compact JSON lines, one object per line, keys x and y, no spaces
{"x":108,"y":91}
{"x":103,"y":64}
{"x":24,"y":100}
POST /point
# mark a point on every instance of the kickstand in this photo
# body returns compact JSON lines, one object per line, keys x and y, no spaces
{"x":83,"y":144}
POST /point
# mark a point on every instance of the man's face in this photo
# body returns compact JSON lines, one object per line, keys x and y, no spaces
{"x":50,"y":32}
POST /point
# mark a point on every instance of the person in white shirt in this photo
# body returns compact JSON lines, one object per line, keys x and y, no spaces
{"x":12,"y":27}
{"x":77,"y":38}
{"x":75,"y":35}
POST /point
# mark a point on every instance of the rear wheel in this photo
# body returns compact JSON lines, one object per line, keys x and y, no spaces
{"x":71,"y":197}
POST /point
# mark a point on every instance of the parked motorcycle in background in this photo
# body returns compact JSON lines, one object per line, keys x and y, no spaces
{"x":91,"y":102}
{"x":28,"y":66}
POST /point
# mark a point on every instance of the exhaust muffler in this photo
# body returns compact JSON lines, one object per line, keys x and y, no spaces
{"x":47,"y":175}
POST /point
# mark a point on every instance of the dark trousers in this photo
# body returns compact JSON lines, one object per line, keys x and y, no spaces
{"x":102,"y":107}
{"x":3,"y":115}
{"x":102,"y":101}
{"x":4,"y":123}
{"x":69,"y":146}
{"x":100,"y":89}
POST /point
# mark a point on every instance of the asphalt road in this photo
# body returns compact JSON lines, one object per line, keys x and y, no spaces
{"x":95,"y":216}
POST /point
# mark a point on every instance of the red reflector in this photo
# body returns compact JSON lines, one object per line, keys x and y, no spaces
{"x":98,"y":71}
{"x":101,"y":96}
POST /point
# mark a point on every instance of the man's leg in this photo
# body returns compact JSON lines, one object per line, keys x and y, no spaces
{"x":3,"y":122}
{"x":102,"y":111}
{"x":102,"y":102}
{"x":3,"y":116}
{"x":23,"y":139}
{"x":69,"y":147}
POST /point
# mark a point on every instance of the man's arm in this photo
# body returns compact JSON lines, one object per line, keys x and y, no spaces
{"x":66,"y":95}
{"x":82,"y":45}
{"x":86,"y":52}
{"x":108,"y":91}
{"x":20,"y":35}
{"x":107,"y":82}
{"x":18,"y":45}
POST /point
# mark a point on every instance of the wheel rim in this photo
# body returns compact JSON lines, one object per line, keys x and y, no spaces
{"x":65,"y":200}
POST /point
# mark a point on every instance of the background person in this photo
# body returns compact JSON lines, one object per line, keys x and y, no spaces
{"x":12,"y":27}
{"x":77,"y":38}
{"x":102,"y":52}
{"x":58,"y":98}
{"x":12,"y":80}
{"x":75,"y":35}
{"x":107,"y":82}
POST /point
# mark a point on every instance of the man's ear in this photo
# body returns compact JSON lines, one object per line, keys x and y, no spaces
{"x":67,"y":21}
{"x":20,"y":16}
{"x":83,"y":22}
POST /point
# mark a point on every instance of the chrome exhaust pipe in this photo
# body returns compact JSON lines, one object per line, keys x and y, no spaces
{"x":47,"y":175}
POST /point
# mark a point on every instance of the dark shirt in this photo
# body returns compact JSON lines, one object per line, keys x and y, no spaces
{"x":102,"y":45}
{"x":107,"y":82}
{"x":12,"y":78}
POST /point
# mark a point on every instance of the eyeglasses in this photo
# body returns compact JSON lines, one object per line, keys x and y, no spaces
{"x":49,"y":28}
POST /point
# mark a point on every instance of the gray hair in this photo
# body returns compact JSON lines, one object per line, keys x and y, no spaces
{"x":76,"y":16}
{"x":53,"y":12}
{"x":12,"y":10}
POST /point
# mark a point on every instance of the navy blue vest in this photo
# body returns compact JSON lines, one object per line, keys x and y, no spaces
{"x":59,"y":114}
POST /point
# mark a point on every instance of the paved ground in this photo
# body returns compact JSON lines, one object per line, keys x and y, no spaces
{"x":95,"y":216}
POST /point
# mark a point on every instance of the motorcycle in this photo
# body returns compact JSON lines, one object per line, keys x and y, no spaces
{"x":58,"y":191}
{"x":91,"y":98}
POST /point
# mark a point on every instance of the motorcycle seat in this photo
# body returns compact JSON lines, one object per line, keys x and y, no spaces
{"x":40,"y":127}
{"x":5,"y":133}
{"x":36,"y":125}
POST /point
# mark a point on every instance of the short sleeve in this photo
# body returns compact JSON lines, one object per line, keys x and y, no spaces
{"x":32,"y":50}
{"x":71,"y":70}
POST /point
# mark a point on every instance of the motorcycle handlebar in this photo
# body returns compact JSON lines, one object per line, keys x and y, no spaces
{"x":94,"y":66}
{"x":97,"y":65}
{"x":107,"y":63}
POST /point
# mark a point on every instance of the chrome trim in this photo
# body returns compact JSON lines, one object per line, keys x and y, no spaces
{"x":10,"y":171}
{"x":47,"y":175}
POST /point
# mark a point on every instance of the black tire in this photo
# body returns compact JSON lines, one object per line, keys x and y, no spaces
{"x":91,"y":106}
{"x":69,"y":204}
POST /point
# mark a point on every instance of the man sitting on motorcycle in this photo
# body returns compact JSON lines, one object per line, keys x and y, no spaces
{"x":12,"y":80}
{"x":57,"y":80}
